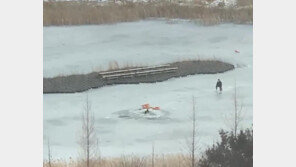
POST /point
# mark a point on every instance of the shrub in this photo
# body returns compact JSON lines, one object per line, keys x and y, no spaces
{"x":232,"y":151}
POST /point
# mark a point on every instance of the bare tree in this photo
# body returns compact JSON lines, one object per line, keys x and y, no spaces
{"x":152,"y":156}
{"x":237,"y":112}
{"x":88,"y":140}
{"x":193,"y":146}
{"x":234,"y":119}
{"x":192,"y":142}
{"x":49,"y":153}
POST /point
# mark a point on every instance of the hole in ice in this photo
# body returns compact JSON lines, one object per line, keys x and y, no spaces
{"x":142,"y":114}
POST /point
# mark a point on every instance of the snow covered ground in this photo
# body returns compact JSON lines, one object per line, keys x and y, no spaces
{"x":81,"y":49}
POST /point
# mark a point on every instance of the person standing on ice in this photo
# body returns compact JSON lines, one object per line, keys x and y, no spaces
{"x":219,"y":85}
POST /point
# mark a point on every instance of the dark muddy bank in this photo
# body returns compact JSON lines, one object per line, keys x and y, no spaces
{"x":83,"y":82}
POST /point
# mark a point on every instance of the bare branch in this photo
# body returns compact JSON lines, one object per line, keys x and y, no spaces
{"x":237,"y":112}
{"x":88,"y":140}
{"x":152,"y":158}
{"x":192,"y":142}
{"x":49,"y":152}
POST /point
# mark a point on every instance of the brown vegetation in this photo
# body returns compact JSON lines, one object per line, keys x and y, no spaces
{"x":242,"y":3}
{"x":176,"y":160}
{"x":83,"y":13}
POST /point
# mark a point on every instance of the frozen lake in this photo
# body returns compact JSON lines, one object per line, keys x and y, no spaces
{"x":82,"y":49}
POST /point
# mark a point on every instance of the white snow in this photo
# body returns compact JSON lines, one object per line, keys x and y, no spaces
{"x":227,"y":3}
{"x":121,"y":129}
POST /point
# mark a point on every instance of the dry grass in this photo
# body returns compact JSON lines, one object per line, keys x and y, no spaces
{"x":113,"y":65}
{"x":83,"y":13}
{"x":242,"y":3}
{"x":128,"y":161}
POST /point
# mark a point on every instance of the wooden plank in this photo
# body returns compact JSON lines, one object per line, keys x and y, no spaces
{"x":134,"y":69}
{"x":119,"y":71}
{"x":141,"y":73}
{"x":162,"y":70}
{"x":153,"y":73}
{"x":118,"y":75}
{"x":158,"y":72}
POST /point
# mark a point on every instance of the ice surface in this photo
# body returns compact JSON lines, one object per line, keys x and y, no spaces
{"x":82,"y":48}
